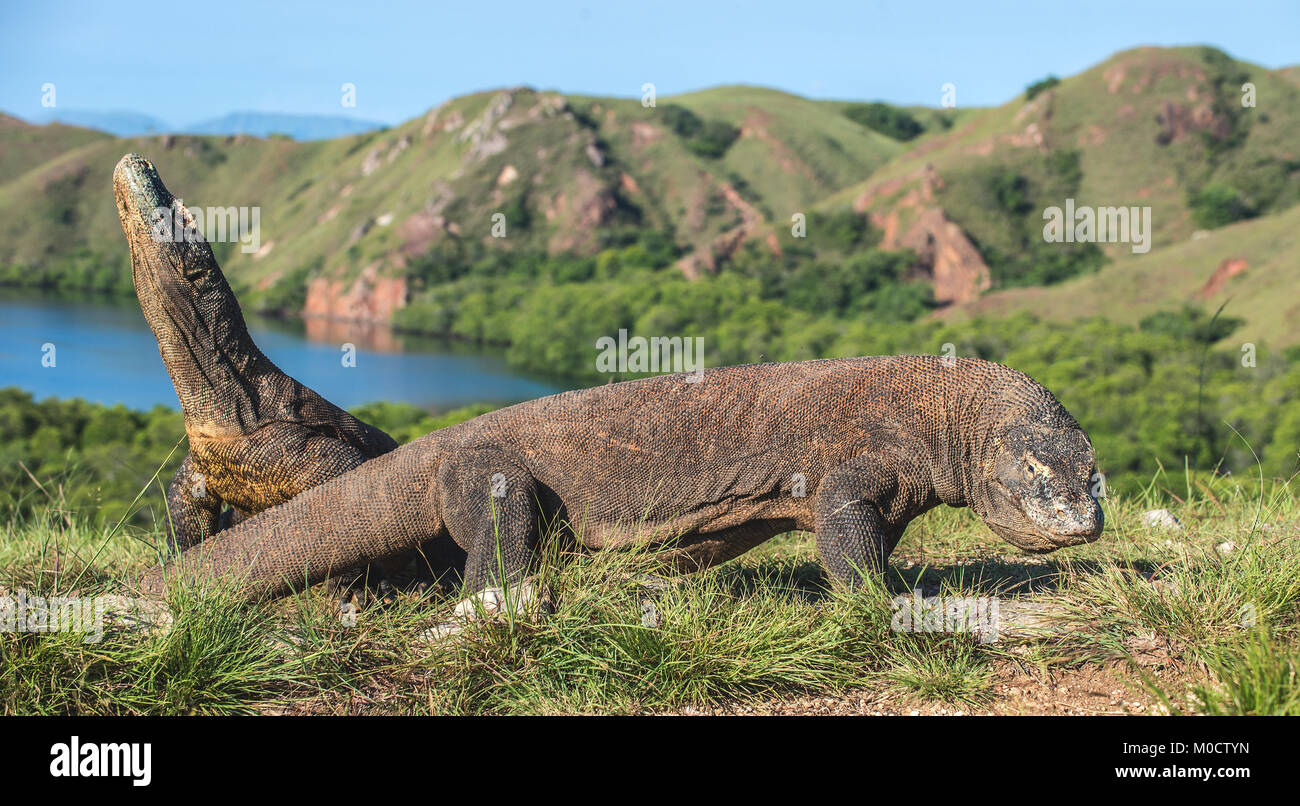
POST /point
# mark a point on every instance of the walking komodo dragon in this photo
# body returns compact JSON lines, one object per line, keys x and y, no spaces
{"x":851,"y":449}
{"x":257,"y":437}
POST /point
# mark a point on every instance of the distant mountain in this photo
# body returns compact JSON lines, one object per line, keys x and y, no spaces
{"x":299,"y":127}
{"x":123,"y":123}
{"x":24,"y":145}
{"x":119,"y":122}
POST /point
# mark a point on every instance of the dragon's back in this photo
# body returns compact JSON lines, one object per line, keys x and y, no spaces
{"x":740,"y":432}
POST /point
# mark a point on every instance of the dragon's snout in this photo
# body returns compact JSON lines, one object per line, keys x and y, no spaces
{"x":139,"y":190}
{"x":168,"y":251}
{"x":1044,"y":522}
{"x":1073,"y":522}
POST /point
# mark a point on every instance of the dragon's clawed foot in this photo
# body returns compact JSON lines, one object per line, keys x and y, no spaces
{"x":524,"y":600}
{"x":362,"y":592}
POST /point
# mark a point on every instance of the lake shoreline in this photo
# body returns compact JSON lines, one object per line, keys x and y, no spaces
{"x":98,"y":347}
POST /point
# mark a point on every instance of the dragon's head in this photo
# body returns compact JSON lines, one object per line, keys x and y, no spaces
{"x":183,"y":294}
{"x":171,"y":263}
{"x":1036,"y":484}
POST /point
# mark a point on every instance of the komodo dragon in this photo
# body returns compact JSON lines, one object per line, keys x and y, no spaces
{"x":851,"y":449}
{"x":257,"y":437}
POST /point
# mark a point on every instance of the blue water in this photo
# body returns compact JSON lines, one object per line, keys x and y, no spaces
{"x":105,"y":352}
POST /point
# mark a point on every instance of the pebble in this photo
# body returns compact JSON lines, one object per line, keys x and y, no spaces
{"x":1161,"y":519}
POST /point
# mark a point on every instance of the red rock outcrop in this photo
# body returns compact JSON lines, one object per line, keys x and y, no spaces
{"x":952,"y":262}
{"x":370,"y":298}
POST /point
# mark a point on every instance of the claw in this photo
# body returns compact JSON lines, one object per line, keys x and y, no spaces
{"x":522,"y":600}
{"x":651,"y":587}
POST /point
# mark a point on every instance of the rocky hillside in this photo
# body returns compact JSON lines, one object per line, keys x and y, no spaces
{"x":342,"y":219}
{"x":348,"y":226}
{"x":1163,"y":128}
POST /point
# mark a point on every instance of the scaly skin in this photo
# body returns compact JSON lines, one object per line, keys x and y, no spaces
{"x":703,"y":471}
{"x":257,"y":437}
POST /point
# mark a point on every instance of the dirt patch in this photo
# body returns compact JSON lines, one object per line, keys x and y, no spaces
{"x":436,"y":122}
{"x":643,"y":134}
{"x":755,"y":125}
{"x":708,"y":256}
{"x":419,"y":232}
{"x":508,"y":175}
{"x":948,"y":259}
{"x":1229,"y":268}
{"x":1092,"y":690}
{"x":1031,"y":137}
{"x":1094,"y":136}
{"x":1179,"y":120}
{"x":1114,"y":78}
{"x":578,"y":212}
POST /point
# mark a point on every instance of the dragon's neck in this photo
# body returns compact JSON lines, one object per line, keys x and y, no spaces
{"x":221,"y":378}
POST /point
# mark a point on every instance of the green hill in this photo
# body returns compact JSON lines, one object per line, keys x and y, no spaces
{"x":1249,"y":267}
{"x":566,"y":170}
{"x":362,"y":227}
{"x":23,"y":145}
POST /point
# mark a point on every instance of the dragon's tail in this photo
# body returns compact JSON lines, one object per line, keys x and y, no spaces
{"x":382,"y":508}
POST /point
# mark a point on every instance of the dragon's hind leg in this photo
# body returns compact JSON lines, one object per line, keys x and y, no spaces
{"x":490,"y":506}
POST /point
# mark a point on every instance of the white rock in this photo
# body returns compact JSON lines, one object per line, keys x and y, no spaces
{"x":508,"y":174}
{"x":1161,"y":519}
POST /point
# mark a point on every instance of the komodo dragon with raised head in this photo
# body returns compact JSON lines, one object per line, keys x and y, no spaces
{"x":257,"y":437}
{"x":851,"y":449}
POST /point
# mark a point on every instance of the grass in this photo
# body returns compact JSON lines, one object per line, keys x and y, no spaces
{"x":1182,"y":619}
{"x":1258,"y":677}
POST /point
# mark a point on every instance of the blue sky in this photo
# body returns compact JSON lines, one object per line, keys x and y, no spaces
{"x":186,"y":62}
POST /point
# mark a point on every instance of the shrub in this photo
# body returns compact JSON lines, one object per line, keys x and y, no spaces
{"x":885,"y":119}
{"x":1033,"y":90}
{"x":1217,"y":205}
{"x":709,"y":139}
